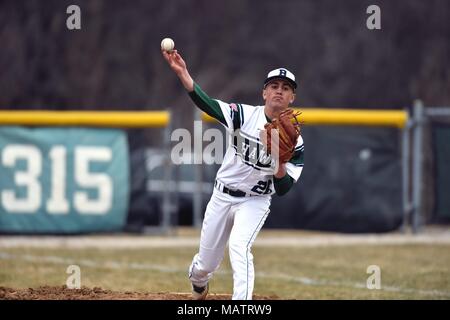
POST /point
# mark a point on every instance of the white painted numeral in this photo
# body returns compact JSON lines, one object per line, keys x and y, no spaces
{"x":28,"y":178}
{"x":57,"y":203}
{"x":100,"y":181}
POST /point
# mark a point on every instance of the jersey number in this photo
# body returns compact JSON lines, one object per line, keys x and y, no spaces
{"x":263,"y":187}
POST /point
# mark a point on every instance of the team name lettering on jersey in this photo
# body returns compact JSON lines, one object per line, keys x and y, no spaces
{"x":251,"y":151}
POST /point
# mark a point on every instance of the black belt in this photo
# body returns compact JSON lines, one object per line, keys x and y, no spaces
{"x":224,"y":189}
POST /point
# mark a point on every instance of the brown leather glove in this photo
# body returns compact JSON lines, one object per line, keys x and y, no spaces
{"x":288,"y":128}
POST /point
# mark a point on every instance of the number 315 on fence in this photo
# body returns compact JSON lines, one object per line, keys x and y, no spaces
{"x":62,"y":172}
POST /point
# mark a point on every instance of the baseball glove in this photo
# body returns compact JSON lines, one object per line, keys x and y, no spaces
{"x":288,"y":128}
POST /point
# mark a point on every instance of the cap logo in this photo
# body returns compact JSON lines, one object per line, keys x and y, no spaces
{"x":282,"y":72}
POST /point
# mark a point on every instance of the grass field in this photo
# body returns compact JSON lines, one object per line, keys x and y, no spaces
{"x":293,"y":269}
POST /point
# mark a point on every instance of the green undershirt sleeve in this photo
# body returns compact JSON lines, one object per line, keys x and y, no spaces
{"x":206,"y":104}
{"x":283,"y":185}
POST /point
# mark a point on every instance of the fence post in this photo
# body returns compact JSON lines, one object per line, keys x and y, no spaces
{"x":167,"y":207}
{"x":406,"y":174}
{"x":417,"y":166}
{"x":197,"y":194}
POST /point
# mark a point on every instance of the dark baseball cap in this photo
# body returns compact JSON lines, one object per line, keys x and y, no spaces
{"x":281,"y":73}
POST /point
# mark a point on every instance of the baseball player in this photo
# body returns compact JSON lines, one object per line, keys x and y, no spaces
{"x":245,"y":181}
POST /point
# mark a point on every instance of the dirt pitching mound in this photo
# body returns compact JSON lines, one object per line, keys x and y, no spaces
{"x":64,"y":293}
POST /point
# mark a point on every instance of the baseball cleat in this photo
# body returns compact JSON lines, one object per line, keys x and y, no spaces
{"x":199,"y":293}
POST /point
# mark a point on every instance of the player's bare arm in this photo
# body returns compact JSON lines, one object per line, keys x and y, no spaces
{"x":200,"y":98}
{"x":179,"y":66}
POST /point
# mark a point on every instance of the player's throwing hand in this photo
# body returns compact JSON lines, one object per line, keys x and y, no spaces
{"x":178,"y":65}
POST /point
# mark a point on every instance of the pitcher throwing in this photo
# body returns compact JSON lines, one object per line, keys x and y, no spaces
{"x":253,"y":168}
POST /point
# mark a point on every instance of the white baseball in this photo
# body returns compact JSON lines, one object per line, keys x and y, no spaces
{"x":167,"y":44}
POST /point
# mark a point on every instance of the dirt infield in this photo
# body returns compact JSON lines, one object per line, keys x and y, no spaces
{"x":64,"y":293}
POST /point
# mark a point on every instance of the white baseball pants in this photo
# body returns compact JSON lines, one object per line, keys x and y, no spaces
{"x":235,"y":219}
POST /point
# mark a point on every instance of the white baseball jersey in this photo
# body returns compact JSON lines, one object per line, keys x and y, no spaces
{"x":246,"y":165}
{"x":238,"y":219}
